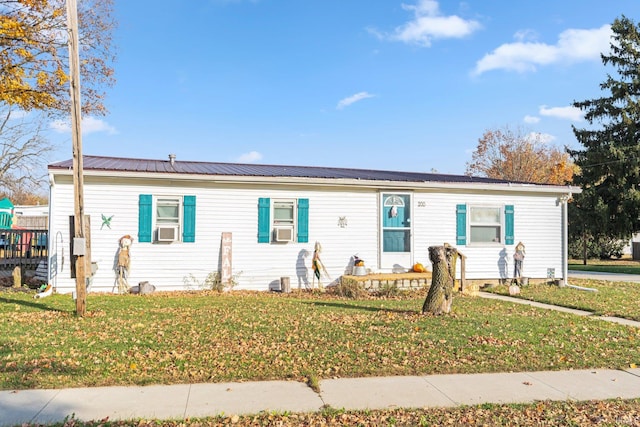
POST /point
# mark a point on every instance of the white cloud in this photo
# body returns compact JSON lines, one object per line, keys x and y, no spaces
{"x":89,"y":125}
{"x":428,"y":24}
{"x":572,"y":46}
{"x":531,"y":119}
{"x":250,"y":157}
{"x":92,"y":125}
{"x":545,"y":138}
{"x":60,"y":126}
{"x":524,"y":35}
{"x":567,"y":113}
{"x":352,"y":99}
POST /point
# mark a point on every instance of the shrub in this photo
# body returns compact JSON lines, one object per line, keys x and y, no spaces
{"x":350,"y":288}
{"x":212,"y":282}
{"x":602,"y":247}
{"x":389,"y":289}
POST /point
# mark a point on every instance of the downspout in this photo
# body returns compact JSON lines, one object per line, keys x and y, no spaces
{"x":564,"y":200}
{"x":52,"y":183}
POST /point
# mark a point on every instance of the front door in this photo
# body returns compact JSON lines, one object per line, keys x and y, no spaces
{"x":396,"y":231}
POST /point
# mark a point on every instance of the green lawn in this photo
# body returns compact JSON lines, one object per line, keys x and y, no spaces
{"x":543,"y":413}
{"x":624,"y":266}
{"x":619,"y":299}
{"x":172,"y":338}
{"x":623,"y":269}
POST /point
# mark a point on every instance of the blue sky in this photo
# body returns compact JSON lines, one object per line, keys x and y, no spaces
{"x":381,"y":84}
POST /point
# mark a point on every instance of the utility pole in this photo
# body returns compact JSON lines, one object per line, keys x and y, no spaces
{"x":79,"y":242}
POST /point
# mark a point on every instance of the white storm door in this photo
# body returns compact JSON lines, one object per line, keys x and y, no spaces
{"x":396,"y":231}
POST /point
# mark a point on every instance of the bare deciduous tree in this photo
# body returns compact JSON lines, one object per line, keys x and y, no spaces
{"x":24,"y":153}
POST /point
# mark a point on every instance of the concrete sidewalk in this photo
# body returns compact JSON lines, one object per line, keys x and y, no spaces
{"x":611,"y":277}
{"x":200,"y":400}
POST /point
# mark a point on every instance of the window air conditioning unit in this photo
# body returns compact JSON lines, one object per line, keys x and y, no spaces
{"x":167,"y":234}
{"x":284,"y":234}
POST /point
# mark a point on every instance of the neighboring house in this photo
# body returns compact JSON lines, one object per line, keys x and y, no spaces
{"x":31,"y":210}
{"x":177,"y":211}
{"x":23,"y":216}
{"x":32,"y":217}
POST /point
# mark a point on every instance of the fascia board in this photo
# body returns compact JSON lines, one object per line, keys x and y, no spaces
{"x":330,"y":182}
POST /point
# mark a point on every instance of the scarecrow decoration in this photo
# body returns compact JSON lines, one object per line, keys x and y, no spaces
{"x":518,"y":258}
{"x":124,"y":263}
{"x":318,"y":266}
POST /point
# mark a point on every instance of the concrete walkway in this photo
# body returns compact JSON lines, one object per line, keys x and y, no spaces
{"x":200,"y":400}
{"x":542,"y":305}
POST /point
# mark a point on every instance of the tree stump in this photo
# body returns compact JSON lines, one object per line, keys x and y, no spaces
{"x":440,"y":295}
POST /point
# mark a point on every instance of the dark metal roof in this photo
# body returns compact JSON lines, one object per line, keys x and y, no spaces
{"x":116,"y":164}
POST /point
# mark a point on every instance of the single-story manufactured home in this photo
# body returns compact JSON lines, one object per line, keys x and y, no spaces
{"x":260,"y":223}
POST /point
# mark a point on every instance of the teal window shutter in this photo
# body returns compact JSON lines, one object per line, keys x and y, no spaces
{"x":303,"y":220}
{"x":264,"y":220}
{"x":508,"y":225}
{"x":145,"y":202}
{"x":189,"y":219}
{"x":461,"y":224}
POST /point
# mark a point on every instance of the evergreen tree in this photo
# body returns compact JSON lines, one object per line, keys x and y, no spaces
{"x":610,"y":161}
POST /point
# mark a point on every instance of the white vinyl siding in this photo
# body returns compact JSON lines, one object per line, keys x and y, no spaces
{"x":538,"y":225}
{"x":220,"y":209}
{"x":344,"y":220}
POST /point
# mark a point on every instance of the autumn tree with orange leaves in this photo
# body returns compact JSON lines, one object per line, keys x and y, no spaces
{"x":34,"y":76}
{"x":515,"y":156}
{"x":34,"y":54}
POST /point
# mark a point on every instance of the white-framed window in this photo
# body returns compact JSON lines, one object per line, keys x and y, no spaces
{"x":283,"y":220}
{"x":166,"y":218}
{"x":168,"y":210}
{"x":284,"y":213}
{"x":485,"y":224}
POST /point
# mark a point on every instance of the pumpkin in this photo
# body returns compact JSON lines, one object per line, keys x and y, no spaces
{"x":419,"y":268}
